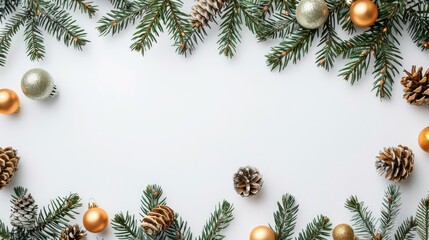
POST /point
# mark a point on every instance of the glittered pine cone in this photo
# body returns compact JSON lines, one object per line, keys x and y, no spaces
{"x":247,"y":181}
{"x":73,"y":233}
{"x":396,"y":163}
{"x":416,"y":86}
{"x":157,"y":220}
{"x":204,"y":11}
{"x":24,"y":212}
{"x":8,"y":165}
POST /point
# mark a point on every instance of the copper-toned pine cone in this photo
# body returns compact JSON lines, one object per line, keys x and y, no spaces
{"x":73,"y":233}
{"x":396,"y":163}
{"x":416,"y":86}
{"x":8,"y":165}
{"x":204,"y":11}
{"x":157,"y":220}
{"x":24,"y":212}
{"x":247,"y":181}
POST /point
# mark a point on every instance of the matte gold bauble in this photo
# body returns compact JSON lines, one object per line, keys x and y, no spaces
{"x":9,"y":101}
{"x":343,"y":232}
{"x":95,"y":219}
{"x":262,"y":233}
{"x":424,"y":139}
{"x":363,"y":13}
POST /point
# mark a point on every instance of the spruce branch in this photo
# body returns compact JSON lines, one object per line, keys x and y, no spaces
{"x":363,"y":220}
{"x":6,"y":34}
{"x":7,"y":7}
{"x":121,"y":4}
{"x":152,"y":197}
{"x":279,"y":25}
{"x":83,"y":6}
{"x":422,"y":218}
{"x":179,"y":230}
{"x":390,"y":209}
{"x":119,"y":19}
{"x":34,"y":40}
{"x":220,"y":219}
{"x":126,"y":227}
{"x":56,"y":216}
{"x":4,"y":231}
{"x":291,"y":49}
{"x":406,"y":229}
{"x":178,"y":24}
{"x":285,"y":217}
{"x":318,"y":229}
{"x":230,"y":29}
{"x":417,"y":16}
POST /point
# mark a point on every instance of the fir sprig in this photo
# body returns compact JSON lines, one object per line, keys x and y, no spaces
{"x":422,"y":218}
{"x":218,"y":221}
{"x":285,"y":217}
{"x":50,"y":222}
{"x":292,"y":49}
{"x":318,"y":229}
{"x":151,"y":16}
{"x":127,"y":226}
{"x":365,"y":223}
{"x":230,"y":29}
{"x":36,"y":15}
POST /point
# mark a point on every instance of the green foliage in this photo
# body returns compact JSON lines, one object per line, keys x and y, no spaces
{"x":285,"y":221}
{"x":36,"y":15}
{"x":219,"y":220}
{"x":50,"y":222}
{"x":422,"y":218}
{"x":285,"y":217}
{"x":152,"y":15}
{"x":127,"y":227}
{"x":365,"y":223}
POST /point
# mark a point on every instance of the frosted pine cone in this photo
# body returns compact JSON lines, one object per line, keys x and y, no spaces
{"x":247,"y":181}
{"x":157,"y":220}
{"x":24,"y":212}
{"x":396,"y":163}
{"x":8,"y":165}
{"x":416,"y":86}
{"x":73,"y":233}
{"x":204,"y":11}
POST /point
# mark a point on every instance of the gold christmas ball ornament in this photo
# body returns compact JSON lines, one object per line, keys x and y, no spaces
{"x":95,"y":219}
{"x":363,"y":13}
{"x":38,"y":84}
{"x":343,"y":232}
{"x":262,"y":233}
{"x":424,"y":139}
{"x":312,"y":14}
{"x":9,"y":101}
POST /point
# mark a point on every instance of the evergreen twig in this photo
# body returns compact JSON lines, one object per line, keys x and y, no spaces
{"x":285,"y":217}
{"x":126,"y":226}
{"x":219,"y":220}
{"x":390,"y":210}
{"x":406,"y":229}
{"x":362,"y":218}
{"x":319,"y":228}
{"x":422,"y":218}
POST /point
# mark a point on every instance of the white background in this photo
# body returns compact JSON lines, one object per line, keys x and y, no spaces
{"x":123,"y":121}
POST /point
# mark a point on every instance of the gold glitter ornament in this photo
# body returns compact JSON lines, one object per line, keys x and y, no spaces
{"x":262,"y":233}
{"x":312,"y":14}
{"x":95,"y":219}
{"x":343,"y":232}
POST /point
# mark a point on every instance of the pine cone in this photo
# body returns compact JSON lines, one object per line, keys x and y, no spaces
{"x":396,"y":163}
{"x":157,"y":220}
{"x":204,"y":11}
{"x":73,"y":233}
{"x":416,"y":86}
{"x":24,"y":212}
{"x":247,"y":181}
{"x":8,"y":165}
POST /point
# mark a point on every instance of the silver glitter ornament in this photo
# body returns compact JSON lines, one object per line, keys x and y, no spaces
{"x":38,"y":84}
{"x":312,"y":14}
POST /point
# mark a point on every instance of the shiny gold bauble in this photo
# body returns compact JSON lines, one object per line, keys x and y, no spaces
{"x":9,"y":101}
{"x":363,"y":13}
{"x":95,"y":219}
{"x":262,"y":233}
{"x":424,"y":139}
{"x":343,"y":232}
